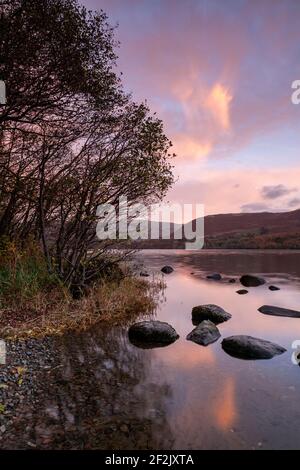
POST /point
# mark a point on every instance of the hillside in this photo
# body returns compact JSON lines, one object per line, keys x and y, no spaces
{"x":243,"y":230}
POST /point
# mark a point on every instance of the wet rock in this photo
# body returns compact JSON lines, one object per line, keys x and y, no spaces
{"x":144,"y":274}
{"x":279,"y":311}
{"x":242,"y":291}
{"x":210,"y":312}
{"x":152,"y":334}
{"x":215,"y":276}
{"x":274,"y":288}
{"x":247,"y":347}
{"x":167,"y":269}
{"x":205,"y":333}
{"x":232,"y":281}
{"x":249,"y":280}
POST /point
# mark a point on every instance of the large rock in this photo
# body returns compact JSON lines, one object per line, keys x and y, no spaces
{"x":210,"y":312}
{"x":247,"y":347}
{"x":279,"y":311}
{"x":204,"y":334}
{"x":152,"y":334}
{"x":167,"y":269}
{"x":215,"y":276}
{"x":249,"y":280}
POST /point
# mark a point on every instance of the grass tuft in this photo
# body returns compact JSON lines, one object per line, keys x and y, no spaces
{"x":35,"y":303}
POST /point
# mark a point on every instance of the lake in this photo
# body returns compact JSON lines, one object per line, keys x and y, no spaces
{"x":103,"y":392}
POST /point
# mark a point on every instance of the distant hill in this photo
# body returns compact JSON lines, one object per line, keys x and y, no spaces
{"x":253,"y":230}
{"x":243,"y":230}
{"x":258,"y":222}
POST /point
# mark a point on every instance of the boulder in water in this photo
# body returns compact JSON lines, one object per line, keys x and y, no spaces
{"x":205,"y":333}
{"x":279,"y":311}
{"x":149,"y":334}
{"x":247,"y":347}
{"x":242,"y":291}
{"x":249,"y":280}
{"x":210,"y":312}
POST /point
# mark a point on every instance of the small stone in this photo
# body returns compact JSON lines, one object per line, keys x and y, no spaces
{"x":167,"y":269}
{"x":144,"y":274}
{"x":214,"y":276}
{"x":31,"y":444}
{"x":124,"y":428}
{"x":242,"y":291}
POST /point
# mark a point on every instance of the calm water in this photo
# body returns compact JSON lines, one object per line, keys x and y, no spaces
{"x":217,"y":401}
{"x":107,"y":393}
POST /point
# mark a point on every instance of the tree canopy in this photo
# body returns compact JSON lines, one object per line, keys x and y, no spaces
{"x":70,"y":137}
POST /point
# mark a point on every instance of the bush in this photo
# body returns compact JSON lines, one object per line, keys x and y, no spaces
{"x":23,"y":273}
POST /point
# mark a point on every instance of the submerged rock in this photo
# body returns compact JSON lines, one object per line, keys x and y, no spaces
{"x":247,"y":347}
{"x":232,"y":281}
{"x":274,"y":288}
{"x":249,"y":280}
{"x":144,"y":274}
{"x":279,"y":311}
{"x":167,"y":269}
{"x":152,"y":334}
{"x":215,"y":276}
{"x":205,"y":333}
{"x":242,"y":291}
{"x":210,"y":312}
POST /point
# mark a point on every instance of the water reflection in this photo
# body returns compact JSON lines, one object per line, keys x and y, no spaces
{"x":103,"y":392}
{"x":94,"y":397}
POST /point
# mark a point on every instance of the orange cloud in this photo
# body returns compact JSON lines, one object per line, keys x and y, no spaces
{"x":206,"y":115}
{"x":218,"y":102}
{"x":187,"y":146}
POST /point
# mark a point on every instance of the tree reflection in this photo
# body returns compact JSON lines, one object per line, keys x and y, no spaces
{"x":96,"y":396}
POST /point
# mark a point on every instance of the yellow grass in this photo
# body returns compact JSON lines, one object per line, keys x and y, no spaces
{"x":55,"y":313}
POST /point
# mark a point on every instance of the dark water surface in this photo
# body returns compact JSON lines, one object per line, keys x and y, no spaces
{"x":103,"y":392}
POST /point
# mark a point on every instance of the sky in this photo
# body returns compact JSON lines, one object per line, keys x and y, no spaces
{"x":219,"y":74}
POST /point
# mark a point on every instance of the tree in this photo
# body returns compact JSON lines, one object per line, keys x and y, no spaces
{"x":71,"y":139}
